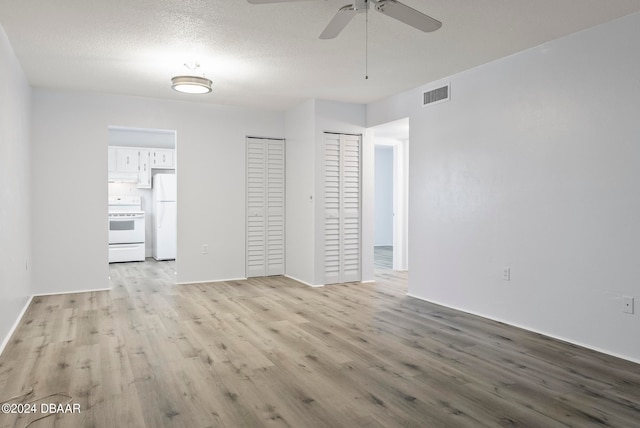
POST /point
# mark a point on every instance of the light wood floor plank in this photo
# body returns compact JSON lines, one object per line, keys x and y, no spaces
{"x":272,"y":352}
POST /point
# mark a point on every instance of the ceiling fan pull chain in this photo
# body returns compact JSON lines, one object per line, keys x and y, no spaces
{"x":366,"y":42}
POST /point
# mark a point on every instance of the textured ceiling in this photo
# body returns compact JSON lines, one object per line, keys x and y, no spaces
{"x":269,"y":56}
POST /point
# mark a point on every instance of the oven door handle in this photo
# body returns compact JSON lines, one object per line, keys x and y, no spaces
{"x":125,"y":217}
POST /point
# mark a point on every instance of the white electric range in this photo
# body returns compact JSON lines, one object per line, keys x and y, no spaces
{"x":126,"y":229}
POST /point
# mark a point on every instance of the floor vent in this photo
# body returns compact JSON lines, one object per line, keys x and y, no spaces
{"x":436,"y":95}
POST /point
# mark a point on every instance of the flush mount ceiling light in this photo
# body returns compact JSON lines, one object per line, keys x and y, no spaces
{"x":191,"y":84}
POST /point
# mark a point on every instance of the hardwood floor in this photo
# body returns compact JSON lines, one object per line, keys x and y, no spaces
{"x":383,"y":257}
{"x":272,"y":352}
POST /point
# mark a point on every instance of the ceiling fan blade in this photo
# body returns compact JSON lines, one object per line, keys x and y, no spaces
{"x":339,"y":21}
{"x":270,"y":1}
{"x":408,"y":15}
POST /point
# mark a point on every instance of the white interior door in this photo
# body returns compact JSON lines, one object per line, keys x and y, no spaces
{"x":332,"y":208}
{"x":265,"y":207}
{"x":342,"y":201}
{"x":275,"y":207}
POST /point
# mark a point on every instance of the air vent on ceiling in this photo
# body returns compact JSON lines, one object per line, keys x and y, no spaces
{"x":436,"y":95}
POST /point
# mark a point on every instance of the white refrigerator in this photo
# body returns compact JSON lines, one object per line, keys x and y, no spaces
{"x":164,"y":216}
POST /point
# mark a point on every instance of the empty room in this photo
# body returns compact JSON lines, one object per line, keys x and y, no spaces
{"x":305,"y":213}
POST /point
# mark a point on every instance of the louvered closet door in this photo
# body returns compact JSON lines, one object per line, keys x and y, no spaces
{"x":256,"y":206}
{"x":342,"y":208}
{"x":265,"y":207}
{"x":350,"y":208}
{"x":332,"y":232}
{"x":275,"y":207}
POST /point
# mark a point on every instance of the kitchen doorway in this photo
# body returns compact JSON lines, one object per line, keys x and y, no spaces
{"x":391,"y":191}
{"x":142,"y":190}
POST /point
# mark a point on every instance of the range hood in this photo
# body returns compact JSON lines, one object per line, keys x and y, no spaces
{"x":123,"y":177}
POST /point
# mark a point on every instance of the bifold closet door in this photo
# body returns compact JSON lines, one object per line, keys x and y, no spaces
{"x":342,"y":202}
{"x":265,"y":207}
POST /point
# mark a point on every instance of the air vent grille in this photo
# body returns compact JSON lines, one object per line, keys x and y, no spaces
{"x":435,"y":95}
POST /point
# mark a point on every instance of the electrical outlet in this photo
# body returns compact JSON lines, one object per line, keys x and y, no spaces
{"x":205,"y":248}
{"x":506,"y":274}
{"x":627,"y":305}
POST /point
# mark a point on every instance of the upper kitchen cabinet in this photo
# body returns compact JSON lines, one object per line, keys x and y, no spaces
{"x":163,"y":158}
{"x":127,"y":159}
{"x":134,"y":164}
{"x":135,"y":152}
{"x":124,"y":164}
{"x":144,"y":173}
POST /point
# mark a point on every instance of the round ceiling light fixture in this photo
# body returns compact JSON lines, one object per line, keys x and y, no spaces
{"x":191,"y":84}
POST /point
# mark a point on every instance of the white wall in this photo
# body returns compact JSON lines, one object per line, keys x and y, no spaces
{"x":70,"y":134}
{"x":300,"y":200}
{"x":15,"y":189}
{"x":383,"y":196}
{"x":534,"y":164}
{"x":401,"y":206}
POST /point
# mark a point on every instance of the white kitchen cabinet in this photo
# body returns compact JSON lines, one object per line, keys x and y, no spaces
{"x":127,"y":159}
{"x":163,"y":158}
{"x":134,"y":164}
{"x":144,"y":172}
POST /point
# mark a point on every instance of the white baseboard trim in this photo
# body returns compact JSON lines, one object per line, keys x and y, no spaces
{"x":303,"y":282}
{"x":71,"y":292}
{"x":533,"y":330}
{"x":369,"y":281}
{"x":210,"y":281}
{"x":6,"y":340}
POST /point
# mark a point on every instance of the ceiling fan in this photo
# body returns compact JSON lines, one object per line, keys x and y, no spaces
{"x":392,"y":8}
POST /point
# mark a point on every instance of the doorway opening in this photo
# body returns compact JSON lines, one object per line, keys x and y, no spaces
{"x":391,"y":191}
{"x":142,"y":191}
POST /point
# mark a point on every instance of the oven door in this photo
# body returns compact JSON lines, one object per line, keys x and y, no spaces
{"x":126,"y":228}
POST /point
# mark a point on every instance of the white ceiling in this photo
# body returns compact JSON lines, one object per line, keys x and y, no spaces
{"x":269,"y":56}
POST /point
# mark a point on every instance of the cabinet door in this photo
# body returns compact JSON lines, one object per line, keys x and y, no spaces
{"x":144,"y":174}
{"x":163,"y":158}
{"x":127,"y":160}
